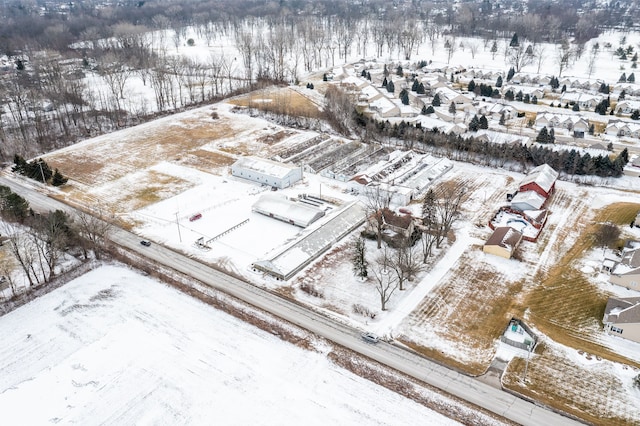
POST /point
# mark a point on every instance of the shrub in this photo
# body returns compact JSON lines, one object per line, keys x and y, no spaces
{"x":364,"y":311}
{"x":312,"y":290}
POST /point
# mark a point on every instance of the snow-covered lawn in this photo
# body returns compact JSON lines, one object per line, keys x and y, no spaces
{"x":116,"y":347}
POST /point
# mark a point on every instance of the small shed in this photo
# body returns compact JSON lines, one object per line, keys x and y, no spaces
{"x":266,"y":172}
{"x":503,"y":242}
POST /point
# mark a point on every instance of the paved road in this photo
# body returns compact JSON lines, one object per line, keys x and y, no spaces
{"x":464,"y":387}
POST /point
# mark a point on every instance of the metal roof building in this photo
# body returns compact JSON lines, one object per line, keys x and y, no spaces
{"x":287,"y":210}
{"x":266,"y":172}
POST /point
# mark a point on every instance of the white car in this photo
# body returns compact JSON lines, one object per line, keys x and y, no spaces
{"x":370,"y":337}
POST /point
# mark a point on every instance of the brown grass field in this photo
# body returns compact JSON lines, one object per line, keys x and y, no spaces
{"x":281,"y":100}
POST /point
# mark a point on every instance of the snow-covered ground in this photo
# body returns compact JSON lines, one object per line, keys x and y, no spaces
{"x":116,"y":347}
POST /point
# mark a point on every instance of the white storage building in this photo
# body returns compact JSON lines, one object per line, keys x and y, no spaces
{"x":282,"y":208}
{"x":266,"y":172}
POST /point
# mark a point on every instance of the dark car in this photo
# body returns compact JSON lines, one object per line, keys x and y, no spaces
{"x":145,"y":243}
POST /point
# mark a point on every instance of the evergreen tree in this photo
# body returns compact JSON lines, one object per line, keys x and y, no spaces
{"x":502,"y":119}
{"x":622,"y":95}
{"x":576,"y":107}
{"x":399,"y":71}
{"x":514,"y":41}
{"x":424,"y":110}
{"x":474,"y":124}
{"x":499,"y":81}
{"x":421,"y":90}
{"x":526,"y":99}
{"x":623,"y":78}
{"x":404,"y":96}
{"x":429,"y":110}
{"x":363,"y":73}
{"x":58,"y":179}
{"x":552,"y":136}
{"x":391,"y":87}
{"x":368,"y":76}
{"x":436,"y":100}
{"x":508,"y":95}
{"x":534,"y":100}
{"x":519,"y":96}
{"x":471,"y":86}
{"x":543,"y":135}
{"x":12,"y":206}
{"x":564,"y":88}
{"x":494,"y":49}
{"x":511,"y":73}
{"x":631,"y":78}
{"x":592,"y":129}
{"x":484,"y":123}
{"x":554,"y":82}
{"x":359,"y":259}
{"x":452,"y":107}
{"x":635,"y":115}
{"x":324,"y":77}
{"x":414,"y":86}
{"x":604,"y":88}
{"x":385,"y":71}
{"x":385,"y":82}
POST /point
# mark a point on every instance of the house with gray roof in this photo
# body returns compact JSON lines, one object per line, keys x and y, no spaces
{"x":622,"y":317}
{"x":626,"y":273}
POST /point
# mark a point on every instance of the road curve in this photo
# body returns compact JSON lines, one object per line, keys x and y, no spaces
{"x":464,"y":387}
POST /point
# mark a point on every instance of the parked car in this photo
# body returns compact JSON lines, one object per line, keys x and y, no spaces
{"x":370,"y":337}
{"x":145,"y":243}
{"x":195,"y":217}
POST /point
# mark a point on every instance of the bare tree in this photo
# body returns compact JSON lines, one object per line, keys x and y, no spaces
{"x":405,"y":263}
{"x":385,"y":281}
{"x":409,"y":36}
{"x":539,"y":54}
{"x":593,"y":56}
{"x":450,"y":47}
{"x":95,"y":228}
{"x":449,"y":197}
{"x":473,"y":48}
{"x":563,"y":56}
{"x":605,"y":235}
{"x":519,"y":56}
{"x":430,"y":225}
{"x":376,"y":201}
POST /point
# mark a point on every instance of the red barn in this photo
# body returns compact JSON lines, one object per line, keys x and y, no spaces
{"x":542,"y":180}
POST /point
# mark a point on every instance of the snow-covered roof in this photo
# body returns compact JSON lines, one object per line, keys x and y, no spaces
{"x":264,"y":166}
{"x":505,"y":237}
{"x":528,"y":198}
{"x":287,"y":209}
{"x":543,"y":175}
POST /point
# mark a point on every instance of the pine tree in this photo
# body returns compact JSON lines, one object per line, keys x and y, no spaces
{"x":391,"y":87}
{"x":58,"y":179}
{"x":511,"y":73}
{"x":494,"y":49}
{"x":385,"y":82}
{"x":631,"y":78}
{"x":623,"y":78}
{"x":499,"y":81}
{"x":368,"y":76}
{"x":399,"y":71}
{"x":385,"y":70}
{"x":564,"y":88}
{"x":424,"y":110}
{"x":635,"y":115}
{"x":436,"y":100}
{"x":404,"y":96}
{"x":576,"y":107}
{"x":430,"y":110}
{"x":471,"y":86}
{"x":359,"y":260}
{"x":543,"y":136}
{"x":484,"y":123}
{"x":534,"y":99}
{"x":622,"y":95}
{"x":452,"y":107}
{"x":514,"y":41}
{"x":509,"y":96}
{"x":552,"y":136}
{"x":414,"y":86}
{"x":474,"y":124}
{"x":519,"y":96}
{"x":421,"y":90}
{"x":363,"y":73}
{"x":502,"y":119}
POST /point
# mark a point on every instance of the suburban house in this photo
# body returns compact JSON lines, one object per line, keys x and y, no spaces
{"x":584,"y":100}
{"x":622,"y":317}
{"x":503,"y":242}
{"x":626,"y":273}
{"x":542,"y":180}
{"x":623,"y":128}
{"x":448,"y":95}
{"x":627,"y":107}
{"x":266,"y":172}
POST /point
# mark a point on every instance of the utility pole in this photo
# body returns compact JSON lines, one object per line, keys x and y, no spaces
{"x":178,"y":225}
{"x":526,"y":365}
{"x":42,"y":173}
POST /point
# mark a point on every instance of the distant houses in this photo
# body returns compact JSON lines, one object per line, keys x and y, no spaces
{"x":622,"y":317}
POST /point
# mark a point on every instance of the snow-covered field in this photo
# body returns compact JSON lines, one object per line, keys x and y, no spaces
{"x":116,"y":347}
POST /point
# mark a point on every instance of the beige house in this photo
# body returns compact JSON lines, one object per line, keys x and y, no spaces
{"x":622,"y":317}
{"x":626,"y":273}
{"x":503,"y":242}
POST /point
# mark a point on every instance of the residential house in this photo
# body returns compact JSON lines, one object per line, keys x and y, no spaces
{"x":448,"y":95}
{"x":617,"y":128}
{"x":584,"y":100}
{"x":503,"y":242}
{"x":622,"y":317}
{"x":627,"y":106}
{"x":542,"y":180}
{"x":626,"y":273}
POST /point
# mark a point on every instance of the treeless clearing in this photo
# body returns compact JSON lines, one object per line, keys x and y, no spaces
{"x":558,"y":381}
{"x":280,"y":101}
